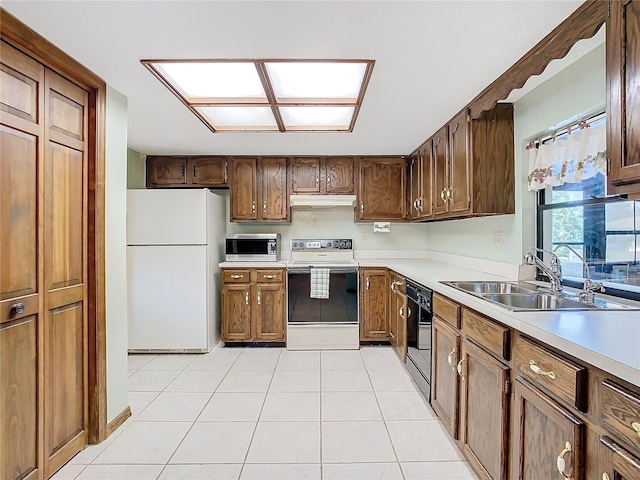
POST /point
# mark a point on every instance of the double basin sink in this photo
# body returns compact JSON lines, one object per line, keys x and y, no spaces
{"x":522,"y":297}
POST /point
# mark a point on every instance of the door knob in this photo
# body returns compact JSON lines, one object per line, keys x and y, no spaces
{"x":18,"y":308}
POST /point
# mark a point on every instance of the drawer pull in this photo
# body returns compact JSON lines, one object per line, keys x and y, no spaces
{"x":258,"y":298}
{"x":605,"y":476}
{"x":460,"y":368}
{"x":442,"y":194}
{"x":246,"y":298}
{"x":450,"y":359}
{"x":561,"y":464}
{"x":536,"y":369}
{"x":636,"y":427}
{"x":269,"y":276}
{"x":237,"y":276}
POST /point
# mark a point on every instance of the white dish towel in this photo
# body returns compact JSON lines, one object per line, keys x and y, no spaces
{"x":319,"y":283}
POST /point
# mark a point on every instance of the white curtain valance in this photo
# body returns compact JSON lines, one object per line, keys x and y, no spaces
{"x":580,"y":156}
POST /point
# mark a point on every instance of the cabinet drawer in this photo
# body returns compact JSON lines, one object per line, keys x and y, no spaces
{"x":486,"y":332}
{"x":620,"y":412}
{"x":269,"y":276}
{"x":559,"y":376}
{"x":236,"y":276}
{"x":446,"y":310}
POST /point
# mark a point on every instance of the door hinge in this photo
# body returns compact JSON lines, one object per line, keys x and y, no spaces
{"x":609,"y":9}
{"x":507,"y":387}
{"x":608,"y":165}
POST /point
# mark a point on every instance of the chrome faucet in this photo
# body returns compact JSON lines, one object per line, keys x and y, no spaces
{"x":590,"y":287}
{"x":553,"y":271}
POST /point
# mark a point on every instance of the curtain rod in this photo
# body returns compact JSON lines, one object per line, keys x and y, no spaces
{"x":558,"y":127}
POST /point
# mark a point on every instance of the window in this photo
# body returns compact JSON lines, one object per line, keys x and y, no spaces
{"x":268,"y":95}
{"x":605,"y":231}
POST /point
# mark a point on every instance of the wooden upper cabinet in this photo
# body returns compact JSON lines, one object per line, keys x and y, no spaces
{"x":382,"y":188}
{"x":339,"y":175}
{"x":374,"y":304}
{"x":415,"y":173}
{"x":305,"y":175}
{"x":623,"y":98}
{"x":207,"y":171}
{"x":459,"y":172}
{"x":166,"y":171}
{"x":421,"y":172}
{"x":440,"y":157}
{"x":274,"y":202}
{"x":244,"y":189}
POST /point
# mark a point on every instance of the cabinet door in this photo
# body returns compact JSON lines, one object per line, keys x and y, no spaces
{"x":305,"y":174}
{"x":440,"y":172}
{"x":547,"y":437}
{"x":269,"y":317}
{"x":207,"y":171}
{"x":484,"y":410}
{"x":374,"y":306}
{"x":444,"y":377}
{"x":382,"y":190}
{"x":401,"y":325}
{"x":339,"y":175}
{"x":415,"y":174}
{"x":275,"y":203}
{"x":164,"y":171}
{"x":623,"y":99}
{"x":236,"y":312}
{"x":616,"y":463}
{"x":425,"y":202}
{"x":243,"y":188}
{"x":459,"y":153}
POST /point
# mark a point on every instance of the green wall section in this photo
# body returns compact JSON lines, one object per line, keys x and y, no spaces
{"x":135,"y":170}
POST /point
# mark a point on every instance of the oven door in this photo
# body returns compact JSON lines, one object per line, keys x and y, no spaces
{"x":341,"y":308}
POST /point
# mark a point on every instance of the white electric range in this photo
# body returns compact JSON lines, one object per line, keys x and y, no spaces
{"x":322,"y":323}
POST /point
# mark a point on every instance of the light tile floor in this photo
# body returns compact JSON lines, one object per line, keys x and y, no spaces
{"x":270,"y":414}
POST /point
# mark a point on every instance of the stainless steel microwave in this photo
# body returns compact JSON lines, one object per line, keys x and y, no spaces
{"x":252,"y":247}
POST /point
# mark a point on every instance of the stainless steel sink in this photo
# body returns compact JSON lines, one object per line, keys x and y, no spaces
{"x":537,"y":301}
{"x":492,"y":287}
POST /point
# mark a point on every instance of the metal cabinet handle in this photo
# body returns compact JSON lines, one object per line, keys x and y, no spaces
{"x":605,"y":476}
{"x":460,"y":368}
{"x":401,"y":311}
{"x":420,"y":204}
{"x":450,"y":359}
{"x":246,"y":298}
{"x":636,"y":427}
{"x":367,"y":284}
{"x":18,"y":308}
{"x":195,"y":172}
{"x":317,"y":180}
{"x":258,"y":298}
{"x":328,"y":179}
{"x":415,"y":204}
{"x":269,"y":276}
{"x":237,"y":276}
{"x":442,"y":193}
{"x":361,"y":207}
{"x":253,"y":207}
{"x":450,"y":193}
{"x":536,"y":369}
{"x":560,"y":462}
{"x":408,"y":312}
{"x":264,"y":206}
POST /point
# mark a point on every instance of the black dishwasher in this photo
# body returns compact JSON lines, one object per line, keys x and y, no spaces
{"x":419,"y":336}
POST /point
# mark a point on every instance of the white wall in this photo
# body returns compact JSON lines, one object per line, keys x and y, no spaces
{"x":578,"y":88}
{"x":115,"y":252}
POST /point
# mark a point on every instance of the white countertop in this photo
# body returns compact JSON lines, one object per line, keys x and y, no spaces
{"x":609,"y":340}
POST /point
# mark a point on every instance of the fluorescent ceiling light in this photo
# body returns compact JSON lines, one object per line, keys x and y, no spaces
{"x":268,"y":95}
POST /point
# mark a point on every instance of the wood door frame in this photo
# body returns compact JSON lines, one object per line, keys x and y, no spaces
{"x":32,"y":44}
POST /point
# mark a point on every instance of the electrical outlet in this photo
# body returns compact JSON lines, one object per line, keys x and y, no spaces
{"x":497,"y":239}
{"x":365,"y":237}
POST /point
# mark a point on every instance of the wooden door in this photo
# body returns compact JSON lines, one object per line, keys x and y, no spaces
{"x":244,"y":189}
{"x":484,"y":411}
{"x":393,"y":313}
{"x":440,"y":172}
{"x":415,"y":173}
{"x":236,"y":312}
{"x":269,"y":317}
{"x":207,"y":171}
{"x":459,"y":164}
{"x":425,"y":203}
{"x":401,"y":325}
{"x":382,"y":189}
{"x":615,"y":463}
{"x":65,"y":270}
{"x":21,"y":155}
{"x":165,"y":171}
{"x":339,"y":175}
{"x":305,"y":174}
{"x":374,"y":306}
{"x":623,"y":99}
{"x":275,"y":202}
{"x":546,"y":436}
{"x":444,"y":377}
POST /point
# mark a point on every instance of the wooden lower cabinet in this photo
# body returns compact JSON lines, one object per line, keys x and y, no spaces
{"x":445,"y":388}
{"x":548,"y":440}
{"x":374,"y":304}
{"x":484,"y":411}
{"x":398,"y":316}
{"x":615,"y":463}
{"x":253,"y":311}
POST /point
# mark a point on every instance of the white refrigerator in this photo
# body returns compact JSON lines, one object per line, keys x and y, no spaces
{"x":175,"y":241}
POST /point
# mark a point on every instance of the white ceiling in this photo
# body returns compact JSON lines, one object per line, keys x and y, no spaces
{"x":432,"y":58}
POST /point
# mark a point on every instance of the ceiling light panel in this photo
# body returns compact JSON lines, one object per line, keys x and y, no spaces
{"x":210,"y":80}
{"x":239,"y":118}
{"x":316,"y":80}
{"x":321,"y":117}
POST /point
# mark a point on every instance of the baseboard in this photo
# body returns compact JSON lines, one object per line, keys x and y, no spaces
{"x":113,"y":425}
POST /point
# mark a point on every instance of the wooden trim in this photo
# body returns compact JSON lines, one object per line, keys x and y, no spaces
{"x":31,"y":43}
{"x":271,"y":96}
{"x":122,"y":417}
{"x":582,"y":24}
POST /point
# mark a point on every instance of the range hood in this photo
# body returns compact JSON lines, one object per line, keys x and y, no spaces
{"x":322,"y":201}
